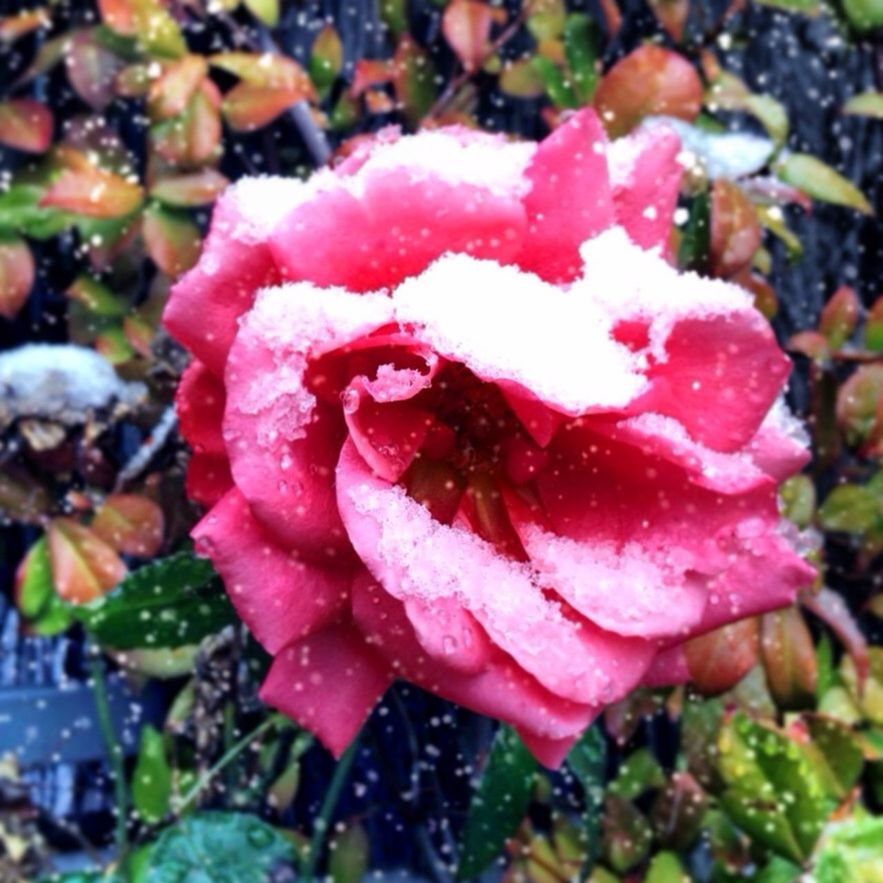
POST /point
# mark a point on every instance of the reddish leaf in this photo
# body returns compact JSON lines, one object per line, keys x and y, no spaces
{"x":672,"y":15}
{"x":133,"y":81}
{"x":16,"y":275}
{"x":91,"y":69}
{"x":193,"y":137}
{"x":830,"y":607}
{"x":25,"y":125}
{"x":765,"y":300}
{"x":84,"y":567}
{"x":378,"y":102}
{"x":118,"y":16}
{"x":735,"y":231}
{"x":171,"y":93}
{"x":521,"y":79}
{"x":789,"y":657}
{"x":720,"y":659}
{"x":15,"y":26}
{"x":173,"y":240}
{"x":414,"y":80}
{"x":370,"y":72}
{"x":267,"y":70}
{"x":840,"y":316}
{"x":248,"y":107}
{"x":612,"y":16}
{"x":87,"y":190}
{"x":193,"y":189}
{"x":131,"y":524}
{"x":466,"y":25}
{"x":874,"y":327}
{"x":651,"y":80}
{"x":157,"y":32}
{"x":810,"y":344}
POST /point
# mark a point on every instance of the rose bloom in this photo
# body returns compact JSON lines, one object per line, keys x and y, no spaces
{"x":458,"y":421}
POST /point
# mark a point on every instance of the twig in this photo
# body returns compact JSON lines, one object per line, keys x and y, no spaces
{"x":323,"y":820}
{"x":142,"y":457}
{"x":114,"y":750}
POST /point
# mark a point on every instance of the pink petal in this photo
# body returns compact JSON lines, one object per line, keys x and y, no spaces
{"x":410,"y":201}
{"x":551,"y":753}
{"x":646,"y":176}
{"x":199,"y":402}
{"x":328,"y":683}
{"x":626,"y":588}
{"x":284,"y":442}
{"x":668,"y":669}
{"x":501,"y":689}
{"x":235,"y":262}
{"x":569,"y":200}
{"x":418,"y":558}
{"x":279,"y":598}
{"x":781,"y":446}
{"x":208,"y":478}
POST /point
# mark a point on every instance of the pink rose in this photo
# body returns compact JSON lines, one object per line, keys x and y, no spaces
{"x":459,"y":422}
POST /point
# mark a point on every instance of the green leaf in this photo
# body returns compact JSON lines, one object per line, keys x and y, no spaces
{"x":807,"y":7}
{"x":869,"y":104}
{"x":500,"y":803}
{"x":640,"y":772}
{"x":778,"y":870}
{"x":218,"y":847}
{"x":696,"y":237}
{"x":852,"y":853}
{"x":557,"y":87}
{"x":666,"y":867}
{"x":588,"y":761}
{"x":520,"y":79}
{"x":581,"y":41}
{"x":818,"y":180}
{"x":173,"y":602}
{"x":265,"y":11}
{"x":152,"y":778}
{"x":394,"y":14}
{"x":20,"y":211}
{"x":850,"y":508}
{"x":865,"y":15}
{"x":326,"y":59}
{"x":414,"y":78}
{"x":35,"y":588}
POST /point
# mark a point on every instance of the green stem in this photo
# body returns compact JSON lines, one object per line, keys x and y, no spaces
{"x":323,"y":820}
{"x":114,"y":750}
{"x":230,"y":755}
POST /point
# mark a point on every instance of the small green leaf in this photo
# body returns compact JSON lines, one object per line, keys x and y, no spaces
{"x":557,"y":87}
{"x":666,"y":867}
{"x":581,"y":42}
{"x":588,"y":761}
{"x":520,"y":79}
{"x":34,"y":586}
{"x":326,"y":59}
{"x":865,"y":15}
{"x":807,"y":7}
{"x":171,"y":603}
{"x":696,"y":237}
{"x":265,"y":11}
{"x":869,"y":104}
{"x":640,"y":772}
{"x":798,"y":495}
{"x":851,"y":853}
{"x":500,"y":803}
{"x":217,"y":847}
{"x":152,"y":778}
{"x":850,"y":508}
{"x":414,"y":78}
{"x":820,"y":181}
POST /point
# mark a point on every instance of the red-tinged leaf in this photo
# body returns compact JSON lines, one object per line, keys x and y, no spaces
{"x":194,"y":137}
{"x":720,"y":659}
{"x":672,"y":15}
{"x":193,"y":189}
{"x":612,"y":17}
{"x":113,"y":345}
{"x":772,"y":191}
{"x":16,"y":275}
{"x":830,"y":607}
{"x":93,"y":192}
{"x":25,"y":125}
{"x":131,"y":524}
{"x":765,"y":299}
{"x":248,"y":107}
{"x":84,"y":567}
{"x":466,"y":25}
{"x":840,"y":316}
{"x":874,"y":327}
{"x":118,"y":16}
{"x":326,"y":59}
{"x":266,"y":70}
{"x":368,"y":73}
{"x":859,"y":401}
{"x":48,"y":55}
{"x":649,"y":81}
{"x":821,"y":182}
{"x":735,"y":231}
{"x":810,"y":344}
{"x":171,"y":93}
{"x":96,"y":297}
{"x":91,"y":69}
{"x":15,"y":26}
{"x":520,"y":79}
{"x":789,"y":657}
{"x":133,"y":81}
{"x":172,"y":239}
{"x":140,"y":334}
{"x":414,"y":80}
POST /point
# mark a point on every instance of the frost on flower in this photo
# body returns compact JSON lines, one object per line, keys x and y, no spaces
{"x":457,"y":420}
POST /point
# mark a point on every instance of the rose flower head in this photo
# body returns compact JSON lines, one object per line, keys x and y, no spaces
{"x":458,"y":421}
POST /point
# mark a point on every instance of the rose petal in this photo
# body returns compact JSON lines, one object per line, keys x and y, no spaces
{"x":208,"y":478}
{"x":569,"y":200}
{"x":417,"y":558}
{"x":328,"y":683}
{"x":646,"y":176}
{"x":235,"y":262}
{"x":668,"y":669}
{"x":199,"y":402}
{"x":279,"y":598}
